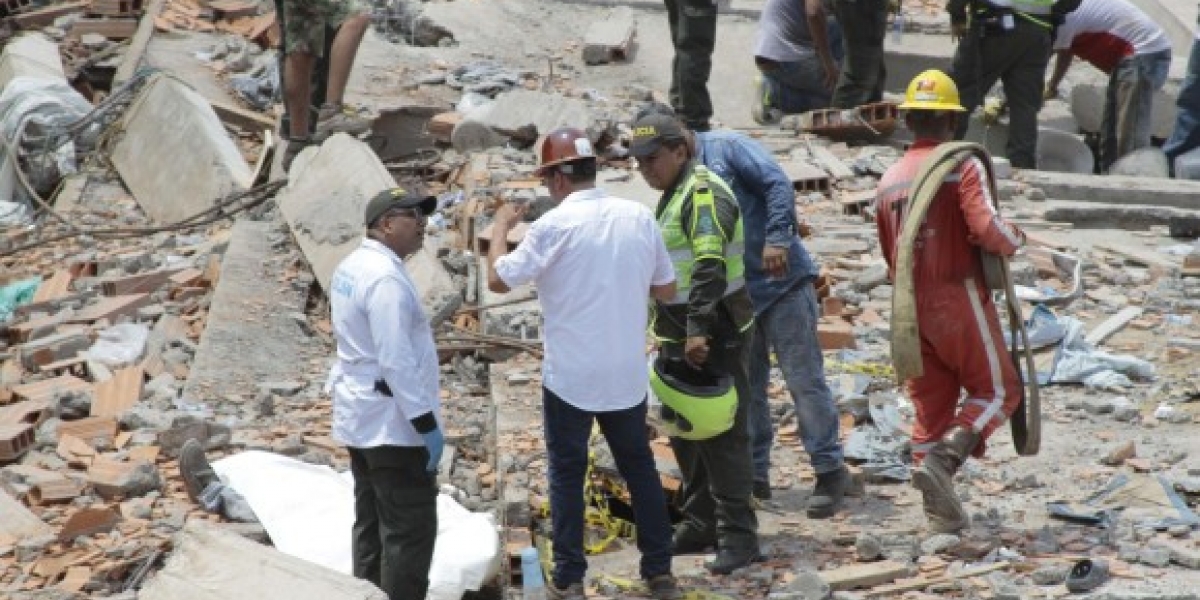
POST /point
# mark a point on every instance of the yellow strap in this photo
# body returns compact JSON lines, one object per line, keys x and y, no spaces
{"x":629,"y":586}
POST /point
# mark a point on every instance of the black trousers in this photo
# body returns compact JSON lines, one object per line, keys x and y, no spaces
{"x":718,"y":475}
{"x":395,"y":519}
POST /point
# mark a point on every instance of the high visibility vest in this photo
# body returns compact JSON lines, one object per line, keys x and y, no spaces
{"x":686,"y":251}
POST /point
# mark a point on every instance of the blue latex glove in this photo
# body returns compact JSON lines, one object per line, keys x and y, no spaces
{"x":434,"y":442}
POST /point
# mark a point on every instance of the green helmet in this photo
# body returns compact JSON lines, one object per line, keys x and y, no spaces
{"x":697,"y":404}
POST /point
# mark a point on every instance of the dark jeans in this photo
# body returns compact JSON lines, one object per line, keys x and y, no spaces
{"x":395,"y":519}
{"x":1186,"y":134}
{"x":694,"y":35}
{"x":864,"y":25}
{"x":789,"y":327}
{"x":568,"y":430}
{"x":799,"y":86}
{"x":1018,"y":59}
{"x":718,"y":477}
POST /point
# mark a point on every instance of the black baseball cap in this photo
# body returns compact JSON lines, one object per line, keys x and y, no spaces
{"x":651,"y":131}
{"x":399,"y":197}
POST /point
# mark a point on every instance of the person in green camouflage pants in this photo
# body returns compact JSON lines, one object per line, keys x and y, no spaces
{"x":694,"y":35}
{"x":304,"y":25}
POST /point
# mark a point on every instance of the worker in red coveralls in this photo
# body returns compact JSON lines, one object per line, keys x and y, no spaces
{"x":962,"y":346}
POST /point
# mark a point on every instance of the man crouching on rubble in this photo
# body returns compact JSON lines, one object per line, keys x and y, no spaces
{"x":961,"y":343}
{"x":595,"y":259}
{"x":385,"y":397}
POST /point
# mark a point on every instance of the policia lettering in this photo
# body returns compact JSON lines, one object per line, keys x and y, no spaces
{"x":704,"y":236}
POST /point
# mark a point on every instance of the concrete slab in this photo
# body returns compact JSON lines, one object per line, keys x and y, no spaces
{"x":610,"y":39}
{"x":252,"y":320}
{"x":30,"y":55}
{"x":1087,"y":105}
{"x":630,"y":186}
{"x":324,"y":201}
{"x":213,"y":564}
{"x":323,"y":206}
{"x":1089,"y":215}
{"x":174,"y":155}
{"x":520,"y":108}
{"x":18,"y":522}
{"x":1115,"y":189}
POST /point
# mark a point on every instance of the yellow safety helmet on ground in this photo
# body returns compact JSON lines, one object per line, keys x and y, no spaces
{"x":932,"y":90}
{"x":697,"y":404}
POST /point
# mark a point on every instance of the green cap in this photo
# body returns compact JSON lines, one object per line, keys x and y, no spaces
{"x":399,"y":197}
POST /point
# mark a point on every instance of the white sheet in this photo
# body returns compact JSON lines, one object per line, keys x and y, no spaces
{"x":308,"y":510}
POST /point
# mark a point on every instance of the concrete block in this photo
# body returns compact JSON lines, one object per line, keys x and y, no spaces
{"x":53,"y":348}
{"x":175,"y":155}
{"x":18,"y":522}
{"x":1143,"y":162}
{"x":1115,"y":189}
{"x":515,"y":112}
{"x":211,"y":564}
{"x":245,"y":336}
{"x":610,"y":39}
{"x":30,"y":55}
{"x":324,"y":201}
{"x":835,"y":335}
{"x":1087,"y":106}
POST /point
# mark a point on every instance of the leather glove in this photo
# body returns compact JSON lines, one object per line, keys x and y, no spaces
{"x":435,"y":442}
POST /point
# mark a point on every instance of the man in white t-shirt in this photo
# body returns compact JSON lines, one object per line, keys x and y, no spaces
{"x":1134,"y":51}
{"x":595,"y":260}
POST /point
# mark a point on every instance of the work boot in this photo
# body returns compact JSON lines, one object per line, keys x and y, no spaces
{"x":935,"y":479}
{"x":731,"y":558}
{"x":294,"y":147}
{"x":197,"y":474}
{"x":339,"y":118}
{"x":573,"y":591}
{"x":687,"y":541}
{"x":664,"y":587}
{"x":827,"y":495}
{"x":761,"y":110}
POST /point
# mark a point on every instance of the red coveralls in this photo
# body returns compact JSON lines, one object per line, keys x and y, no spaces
{"x":961,"y":341}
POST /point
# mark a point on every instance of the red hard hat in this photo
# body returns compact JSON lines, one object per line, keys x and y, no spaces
{"x":564,"y":145}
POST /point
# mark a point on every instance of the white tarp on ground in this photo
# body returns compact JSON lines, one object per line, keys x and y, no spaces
{"x":308,"y":511}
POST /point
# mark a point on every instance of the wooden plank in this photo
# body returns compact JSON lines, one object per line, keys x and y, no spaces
{"x":924,"y":583}
{"x":1113,"y":324}
{"x":113,"y":29}
{"x":111,"y":308}
{"x":55,"y":287}
{"x":861,"y":575}
{"x":46,"y":16}
{"x":75,"y":579}
{"x":117,"y":395}
{"x":48,"y":389}
{"x":17,"y":522}
{"x":137,"y":48}
{"x":240,"y":118}
{"x":141,"y":282}
{"x":90,"y":428}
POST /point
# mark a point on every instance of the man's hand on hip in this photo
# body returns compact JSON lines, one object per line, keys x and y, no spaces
{"x":775,"y":261}
{"x":695,"y":350}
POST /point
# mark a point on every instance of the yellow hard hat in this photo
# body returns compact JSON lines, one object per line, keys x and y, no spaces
{"x":932,"y":90}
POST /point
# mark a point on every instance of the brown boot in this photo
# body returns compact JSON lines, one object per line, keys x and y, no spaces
{"x":935,"y":479}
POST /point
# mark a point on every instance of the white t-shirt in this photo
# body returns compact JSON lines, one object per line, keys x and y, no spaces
{"x":1103,"y":32}
{"x":593,"y":259}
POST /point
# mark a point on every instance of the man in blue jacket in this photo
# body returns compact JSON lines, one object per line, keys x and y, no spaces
{"x":779,"y":275}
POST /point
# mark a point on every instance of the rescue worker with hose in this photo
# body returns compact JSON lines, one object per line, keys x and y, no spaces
{"x":935,"y":233}
{"x":704,"y":333}
{"x":1006,"y":40}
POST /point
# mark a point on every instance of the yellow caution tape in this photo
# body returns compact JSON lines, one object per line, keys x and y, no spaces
{"x":596,"y":511}
{"x":861,"y":368}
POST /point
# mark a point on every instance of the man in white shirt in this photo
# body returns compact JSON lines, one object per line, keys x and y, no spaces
{"x":385,"y":397}
{"x":1134,"y":51}
{"x":595,"y":260}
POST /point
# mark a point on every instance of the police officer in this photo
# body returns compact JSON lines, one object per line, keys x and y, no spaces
{"x":707,"y":324}
{"x":694,"y":35}
{"x":385,"y":397}
{"x":1006,"y":40}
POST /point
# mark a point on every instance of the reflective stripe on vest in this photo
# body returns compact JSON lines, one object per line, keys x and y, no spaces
{"x":685,"y":251}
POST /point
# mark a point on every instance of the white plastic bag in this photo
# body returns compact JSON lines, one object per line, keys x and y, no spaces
{"x":119,"y":345}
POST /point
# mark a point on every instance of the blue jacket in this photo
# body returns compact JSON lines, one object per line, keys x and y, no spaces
{"x":768,"y":205}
